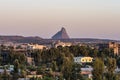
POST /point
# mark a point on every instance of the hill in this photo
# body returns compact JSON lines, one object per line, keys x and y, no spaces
{"x":20,"y":39}
{"x":62,"y":34}
{"x":39,"y":40}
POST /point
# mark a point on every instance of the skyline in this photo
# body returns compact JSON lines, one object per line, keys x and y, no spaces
{"x":43,"y":18}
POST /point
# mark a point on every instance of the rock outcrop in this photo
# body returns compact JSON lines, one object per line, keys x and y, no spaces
{"x":62,"y":34}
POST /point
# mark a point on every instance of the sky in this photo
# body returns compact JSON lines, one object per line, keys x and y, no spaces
{"x":43,"y":18}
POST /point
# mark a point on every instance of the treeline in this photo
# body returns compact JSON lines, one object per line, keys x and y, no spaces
{"x":52,"y":54}
{"x":61,"y":60}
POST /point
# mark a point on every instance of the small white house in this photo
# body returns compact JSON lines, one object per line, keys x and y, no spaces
{"x":77,"y":60}
{"x":80,"y":60}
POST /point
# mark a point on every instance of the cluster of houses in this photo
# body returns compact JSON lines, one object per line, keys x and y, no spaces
{"x":111,"y":45}
{"x":86,"y":70}
{"x":26,"y":46}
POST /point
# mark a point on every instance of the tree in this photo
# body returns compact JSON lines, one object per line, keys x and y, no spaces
{"x":95,"y":53}
{"x":118,"y":62}
{"x":5,"y":75}
{"x":16,"y":55}
{"x":67,"y":67}
{"x":23,"y":73}
{"x":1,"y":59}
{"x":111,"y":65}
{"x":76,"y":68}
{"x":16,"y":66}
{"x":47,"y":78}
{"x":54,"y":66}
{"x":37,"y":56}
{"x":75,"y":50}
{"x":16,"y":70}
{"x":98,"y":69}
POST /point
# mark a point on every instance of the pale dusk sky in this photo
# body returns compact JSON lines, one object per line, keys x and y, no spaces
{"x":81,"y":18}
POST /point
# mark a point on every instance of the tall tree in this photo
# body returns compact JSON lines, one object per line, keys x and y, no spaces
{"x":67,"y":67}
{"x":98,"y":69}
{"x":111,"y":65}
{"x":16,"y":66}
{"x":16,"y":70}
{"x":5,"y":75}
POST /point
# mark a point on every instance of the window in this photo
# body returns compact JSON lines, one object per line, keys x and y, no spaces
{"x":82,"y":59}
{"x":90,"y":60}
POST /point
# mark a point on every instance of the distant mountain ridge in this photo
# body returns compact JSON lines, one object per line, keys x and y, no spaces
{"x":20,"y":39}
{"x":39,"y":40}
{"x":62,"y":34}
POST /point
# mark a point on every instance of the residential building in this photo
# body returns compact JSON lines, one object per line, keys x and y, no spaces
{"x":80,"y":60}
{"x":86,"y":59}
{"x":63,"y":44}
{"x":77,"y":60}
{"x":30,"y":60}
{"x":35,"y":46}
{"x":87,"y":72}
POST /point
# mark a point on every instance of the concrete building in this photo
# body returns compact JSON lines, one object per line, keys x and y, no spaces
{"x":119,"y":48}
{"x":114,"y":46}
{"x":110,"y":45}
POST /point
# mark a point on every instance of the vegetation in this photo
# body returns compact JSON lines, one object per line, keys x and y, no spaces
{"x":98,"y":71}
{"x":58,"y":62}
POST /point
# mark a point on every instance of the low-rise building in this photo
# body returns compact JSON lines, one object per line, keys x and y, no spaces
{"x":110,"y":45}
{"x":86,"y":59}
{"x":31,"y":76}
{"x":30,"y":60}
{"x":77,"y":60}
{"x":87,"y":72}
{"x":35,"y":46}
{"x":119,"y":49}
{"x":63,"y":44}
{"x":83,"y":60}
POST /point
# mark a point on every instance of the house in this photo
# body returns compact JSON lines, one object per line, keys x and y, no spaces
{"x":35,"y":46}
{"x":63,"y":44}
{"x":80,"y":60}
{"x":30,"y":60}
{"x":31,"y":76}
{"x":77,"y":60}
{"x":86,"y":59}
{"x":87,"y":72}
